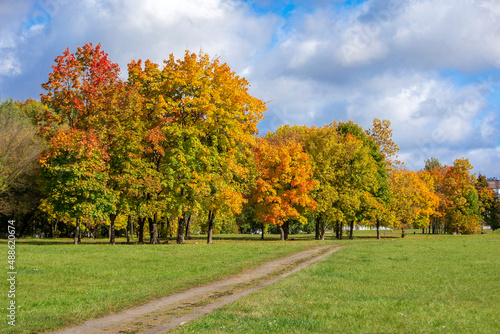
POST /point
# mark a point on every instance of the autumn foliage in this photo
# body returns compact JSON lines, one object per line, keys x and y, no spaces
{"x":174,"y":147}
{"x":284,"y":181}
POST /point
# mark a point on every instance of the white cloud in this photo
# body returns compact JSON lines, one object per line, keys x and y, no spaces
{"x":381,"y":59}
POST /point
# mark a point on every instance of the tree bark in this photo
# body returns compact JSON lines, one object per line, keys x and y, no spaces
{"x":129,"y":223}
{"x":131,"y":228}
{"x":141,"y":222}
{"x":286,"y":229}
{"x":351,"y":228}
{"x":153,"y":227}
{"x":402,"y":232}
{"x":378,"y":229}
{"x":282,"y":232}
{"x":211,"y":223}
{"x":316,"y":237}
{"x":188,"y":228}
{"x":322,"y":230}
{"x":181,"y":222}
{"x":262,"y":234}
{"x":112,"y":218}
{"x":77,"y":231}
{"x":169,"y":226}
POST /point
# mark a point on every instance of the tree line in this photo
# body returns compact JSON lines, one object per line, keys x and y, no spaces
{"x":174,"y":147}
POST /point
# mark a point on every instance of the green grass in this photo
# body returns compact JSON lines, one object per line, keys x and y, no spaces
{"x":420,"y":284}
{"x":60,"y":284}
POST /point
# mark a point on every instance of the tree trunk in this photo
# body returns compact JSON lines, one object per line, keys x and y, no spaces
{"x":77,"y":231}
{"x":351,"y":230}
{"x":286,"y":229}
{"x":54,"y":231}
{"x":112,"y":218}
{"x":181,"y":222}
{"x":129,"y":224}
{"x":188,"y":228}
{"x":169,"y":227}
{"x":141,"y":222}
{"x":378,"y":229}
{"x":402,"y":232}
{"x":262,"y":234}
{"x":322,"y":230}
{"x":282,"y":232}
{"x":153,"y":227}
{"x":211,"y":223}
{"x":316,"y":237}
{"x":131,"y":228}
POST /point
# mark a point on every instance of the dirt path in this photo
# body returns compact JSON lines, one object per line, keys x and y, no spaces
{"x":174,"y":310}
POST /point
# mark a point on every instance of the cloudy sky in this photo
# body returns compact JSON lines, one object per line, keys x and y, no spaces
{"x":429,"y":66}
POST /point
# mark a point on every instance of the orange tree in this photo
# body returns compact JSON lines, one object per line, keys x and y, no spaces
{"x":84,"y":94}
{"x":283,"y":184}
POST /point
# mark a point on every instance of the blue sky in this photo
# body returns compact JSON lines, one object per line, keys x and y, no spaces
{"x":429,"y":66}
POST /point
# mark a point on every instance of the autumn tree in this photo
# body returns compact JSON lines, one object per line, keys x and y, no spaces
{"x":463,"y":212}
{"x":200,"y":119}
{"x":74,"y":176}
{"x":85,"y":94}
{"x":325,"y":147}
{"x":283,"y":184}
{"x":372,"y":195}
{"x":486,"y":198}
{"x":381,"y":133}
{"x":413,"y":200}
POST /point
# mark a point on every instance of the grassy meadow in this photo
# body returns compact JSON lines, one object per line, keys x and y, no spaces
{"x":419,"y":284}
{"x":60,"y":284}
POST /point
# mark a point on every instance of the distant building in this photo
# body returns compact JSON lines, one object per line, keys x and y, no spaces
{"x":494,"y":184}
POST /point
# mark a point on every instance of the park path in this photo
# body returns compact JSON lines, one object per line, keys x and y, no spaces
{"x":174,"y":310}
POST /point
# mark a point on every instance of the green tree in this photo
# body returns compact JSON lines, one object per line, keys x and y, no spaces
{"x":201,"y":120}
{"x":74,"y":176}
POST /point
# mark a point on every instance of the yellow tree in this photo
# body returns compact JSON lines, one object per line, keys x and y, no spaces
{"x":325,"y":147}
{"x":463,"y":211}
{"x":381,"y":133}
{"x":413,"y":198}
{"x":200,"y":119}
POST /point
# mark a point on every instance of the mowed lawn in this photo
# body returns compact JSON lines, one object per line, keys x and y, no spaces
{"x":443,"y":284}
{"x":60,"y":284}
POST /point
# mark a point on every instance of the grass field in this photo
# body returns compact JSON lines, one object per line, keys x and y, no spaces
{"x":59,"y":284}
{"x":419,"y":284}
{"x":446,"y":284}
